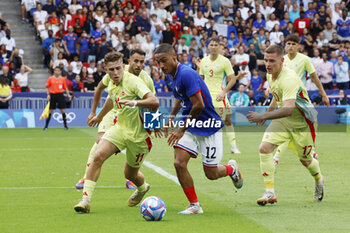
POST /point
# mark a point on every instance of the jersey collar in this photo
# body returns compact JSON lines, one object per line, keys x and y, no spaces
{"x":177,"y":69}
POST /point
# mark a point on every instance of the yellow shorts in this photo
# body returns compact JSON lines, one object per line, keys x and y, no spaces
{"x":135,"y":151}
{"x":107,"y":122}
{"x":223,"y":107}
{"x":301,"y":141}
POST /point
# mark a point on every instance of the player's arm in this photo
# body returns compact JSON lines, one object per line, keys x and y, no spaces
{"x":321,"y":91}
{"x":232,"y":79}
{"x":97,"y":96}
{"x":149,"y":100}
{"x":285,"y":111}
{"x":107,"y":106}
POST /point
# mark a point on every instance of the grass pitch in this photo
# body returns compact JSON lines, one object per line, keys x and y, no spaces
{"x":38,"y":171}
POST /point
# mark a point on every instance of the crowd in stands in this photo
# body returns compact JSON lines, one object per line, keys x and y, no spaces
{"x":76,"y":34}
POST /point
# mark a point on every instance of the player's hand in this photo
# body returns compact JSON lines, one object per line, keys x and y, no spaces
{"x":70,"y":98}
{"x":158,"y":133}
{"x":128,"y":103}
{"x":325,"y":100}
{"x":255,"y":117}
{"x":220,"y":96}
{"x":48,"y":97}
{"x":92,"y":115}
{"x":95,"y":121}
{"x":175,"y":137}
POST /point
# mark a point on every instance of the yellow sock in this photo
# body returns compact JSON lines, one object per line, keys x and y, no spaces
{"x":267,"y":168}
{"x":89,"y":187}
{"x":230,"y":134}
{"x":142,"y":187}
{"x":91,"y":157}
{"x":281,"y":149}
{"x":314,"y":169}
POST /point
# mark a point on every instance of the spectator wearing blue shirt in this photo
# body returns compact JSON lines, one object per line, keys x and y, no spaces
{"x":309,"y":14}
{"x":284,"y":23}
{"x":47,"y":44}
{"x":239,"y":99}
{"x":69,"y":43}
{"x":185,"y":61}
{"x":343,"y":26}
{"x":259,"y":22}
{"x":255,"y":81}
{"x":93,"y":47}
{"x":341,"y":70}
{"x":84,"y":48}
{"x":143,"y":22}
{"x":104,"y":47}
{"x":157,"y":35}
{"x":159,"y":84}
{"x":180,"y":12}
{"x":98,"y":32}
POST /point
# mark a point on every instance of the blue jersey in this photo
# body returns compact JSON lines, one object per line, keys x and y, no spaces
{"x":186,"y":83}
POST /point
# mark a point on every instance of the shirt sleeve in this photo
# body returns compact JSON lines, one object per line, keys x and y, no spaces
{"x":48,"y":83}
{"x":201,"y":65}
{"x":140,"y":89}
{"x":189,"y":83}
{"x":105,"y":80}
{"x":149,"y":82}
{"x":64,"y":84}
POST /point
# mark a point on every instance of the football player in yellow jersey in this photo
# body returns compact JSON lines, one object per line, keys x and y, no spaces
{"x":216,"y":70}
{"x":129,"y":93}
{"x":295,"y":121}
{"x":136,"y":64}
{"x":302,"y":65}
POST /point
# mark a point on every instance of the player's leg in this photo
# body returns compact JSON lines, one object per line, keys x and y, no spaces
{"x":230,"y":133}
{"x":64,"y":117}
{"x":104,"y":150}
{"x":62,"y":106}
{"x":212,"y":154}
{"x":280,"y":150}
{"x":304,"y":143}
{"x":135,"y":155}
{"x":51,"y":108}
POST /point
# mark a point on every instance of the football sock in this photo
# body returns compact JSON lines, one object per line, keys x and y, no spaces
{"x":230,"y":134}
{"x":229,"y":170}
{"x":91,"y":157}
{"x":191,"y":195}
{"x":89,"y":187}
{"x":270,"y":190}
{"x":267,"y":168}
{"x":48,"y":120}
{"x":142,"y":187}
{"x":64,"y":119}
{"x":314,"y":169}
{"x":281,"y":149}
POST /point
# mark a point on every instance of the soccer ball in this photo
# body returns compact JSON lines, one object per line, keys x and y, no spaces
{"x":153,"y":209}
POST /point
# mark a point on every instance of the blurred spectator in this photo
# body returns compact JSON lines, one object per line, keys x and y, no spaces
{"x":294,"y":14}
{"x":5,"y":93}
{"x":181,"y":46}
{"x":90,"y":86}
{"x":328,"y":31}
{"x":321,"y":40}
{"x":104,"y":47}
{"x":157,"y":35}
{"x":341,"y":70}
{"x":159,"y":84}
{"x":54,"y":51}
{"x":246,"y":78}
{"x":92,"y":68}
{"x":342,"y":100}
{"x":316,"y":59}
{"x":148,"y":47}
{"x":98,"y":75}
{"x":239,"y":99}
{"x":180,"y":12}
{"x":325,"y":72}
{"x":5,"y":75}
{"x":199,"y":20}
{"x":343,"y":25}
{"x":255,"y":82}
{"x":76,"y":64}
{"x":271,"y":22}
{"x":252,"y":101}
{"x":97,"y":33}
{"x":186,"y":19}
{"x":225,"y":17}
{"x":266,"y":99}
{"x":168,"y":35}
{"x":83,"y":74}
{"x":241,"y":56}
{"x":9,"y":42}
{"x":78,"y":85}
{"x":93,"y":47}
{"x":70,"y":75}
{"x":60,"y":59}
{"x":143,"y":22}
{"x":275,"y":35}
{"x":90,"y":23}
{"x":27,"y":9}
{"x":69,"y":43}
{"x":141,"y":37}
{"x":259,"y":22}
{"x":185,"y":61}
{"x":16,"y":59}
{"x":74,"y":6}
{"x":47,"y":45}
{"x":22,"y":77}
{"x":301,"y":23}
{"x":334,"y":43}
{"x":40,"y":17}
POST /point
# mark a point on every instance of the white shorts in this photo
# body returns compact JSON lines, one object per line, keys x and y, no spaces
{"x":209,"y":146}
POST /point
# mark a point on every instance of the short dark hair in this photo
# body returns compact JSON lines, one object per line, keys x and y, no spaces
{"x":113,"y":57}
{"x":275,"y":49}
{"x":138,"y":51}
{"x":164,"y":48}
{"x":293,"y":37}
{"x":215,"y":39}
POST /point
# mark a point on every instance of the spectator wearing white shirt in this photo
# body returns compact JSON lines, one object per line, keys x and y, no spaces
{"x":157,"y":11}
{"x":200,"y":21}
{"x":342,"y":73}
{"x":117,"y":23}
{"x":156,"y":21}
{"x":271,"y":22}
{"x":182,"y":46}
{"x":9,"y":42}
{"x":241,"y":57}
{"x":27,"y":6}
{"x":244,"y":10}
{"x":76,"y":65}
{"x":22,"y":78}
{"x":227,"y":4}
{"x":40,"y":16}
{"x":265,"y":9}
{"x":141,"y":37}
{"x":321,"y":40}
{"x":148,"y":47}
{"x":275,"y":35}
{"x":244,"y":68}
{"x":316,"y":59}
{"x":74,"y":6}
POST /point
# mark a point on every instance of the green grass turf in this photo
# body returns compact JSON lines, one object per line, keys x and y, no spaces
{"x":56,"y":158}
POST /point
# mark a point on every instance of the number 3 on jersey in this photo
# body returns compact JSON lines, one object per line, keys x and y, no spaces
{"x":211,"y":73}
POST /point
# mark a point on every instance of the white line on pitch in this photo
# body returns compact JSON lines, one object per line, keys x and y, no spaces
{"x":72,"y":187}
{"x":161,"y":172}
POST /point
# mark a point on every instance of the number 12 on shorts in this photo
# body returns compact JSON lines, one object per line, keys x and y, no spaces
{"x":210,"y":152}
